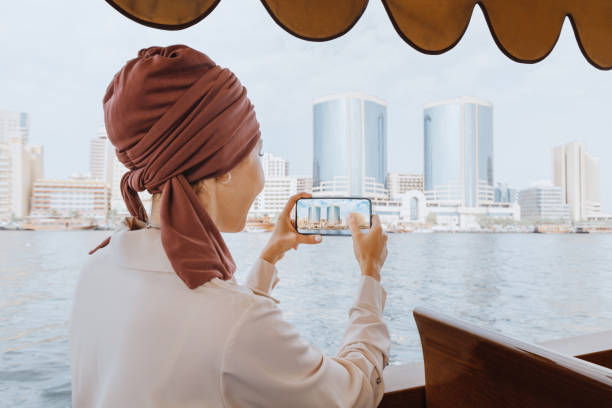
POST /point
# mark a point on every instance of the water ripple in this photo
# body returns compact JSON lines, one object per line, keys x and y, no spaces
{"x":533,"y":286}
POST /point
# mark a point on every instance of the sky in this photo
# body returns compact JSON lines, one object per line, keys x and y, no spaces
{"x":58,"y":57}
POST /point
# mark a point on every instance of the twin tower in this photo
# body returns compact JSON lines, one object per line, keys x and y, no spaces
{"x":350,"y":149}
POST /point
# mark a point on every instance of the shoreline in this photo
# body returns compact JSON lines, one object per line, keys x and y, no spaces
{"x":426,"y":231}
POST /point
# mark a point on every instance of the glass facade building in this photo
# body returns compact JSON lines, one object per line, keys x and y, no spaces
{"x":333,"y":215}
{"x":458,"y":152}
{"x":314,"y":214}
{"x":349,"y":145}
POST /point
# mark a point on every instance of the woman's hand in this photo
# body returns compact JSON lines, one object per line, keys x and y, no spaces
{"x":284,"y":236}
{"x":371,"y":248}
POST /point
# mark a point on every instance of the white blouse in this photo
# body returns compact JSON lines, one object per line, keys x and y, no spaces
{"x":140,"y":338}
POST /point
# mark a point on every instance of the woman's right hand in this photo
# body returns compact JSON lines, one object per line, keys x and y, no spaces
{"x":371,"y":248}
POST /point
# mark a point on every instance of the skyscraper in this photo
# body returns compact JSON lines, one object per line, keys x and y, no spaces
{"x":350,"y":145}
{"x":314,"y":214}
{"x":577,"y":173}
{"x":105,"y":166}
{"x":20,"y":165}
{"x":458,"y":154}
{"x":14,"y":125}
{"x":101,"y":155}
{"x":333,"y":215}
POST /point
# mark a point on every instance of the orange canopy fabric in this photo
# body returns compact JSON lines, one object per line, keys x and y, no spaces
{"x":525,"y":30}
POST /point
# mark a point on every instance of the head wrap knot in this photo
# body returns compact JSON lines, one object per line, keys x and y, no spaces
{"x":176,"y":117}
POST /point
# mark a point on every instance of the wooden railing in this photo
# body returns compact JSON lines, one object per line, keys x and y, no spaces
{"x":500,"y":356}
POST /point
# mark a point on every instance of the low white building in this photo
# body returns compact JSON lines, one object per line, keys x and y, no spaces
{"x":412,"y":207}
{"x":78,"y":196}
{"x":467,"y":218}
{"x":274,"y":166}
{"x":399,"y":183}
{"x":278,"y":187}
{"x":543,"y":201}
{"x":276,"y":193}
{"x":304,"y":184}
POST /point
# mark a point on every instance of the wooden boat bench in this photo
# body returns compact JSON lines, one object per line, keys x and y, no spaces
{"x":467,"y":366}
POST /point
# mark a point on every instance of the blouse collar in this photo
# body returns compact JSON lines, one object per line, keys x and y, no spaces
{"x":137,"y":246}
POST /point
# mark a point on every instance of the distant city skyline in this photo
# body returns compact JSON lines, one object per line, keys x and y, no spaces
{"x":349,"y":136}
{"x":539,"y":106}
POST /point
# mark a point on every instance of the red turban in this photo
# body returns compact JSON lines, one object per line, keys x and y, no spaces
{"x":174,"y":118}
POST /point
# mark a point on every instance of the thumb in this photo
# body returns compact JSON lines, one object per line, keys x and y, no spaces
{"x":309,"y":239}
{"x":375,"y":221}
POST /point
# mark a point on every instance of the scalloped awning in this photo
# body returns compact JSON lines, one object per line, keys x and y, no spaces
{"x":525,"y":30}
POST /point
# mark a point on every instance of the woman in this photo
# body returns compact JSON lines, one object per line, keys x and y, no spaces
{"x":158,"y":317}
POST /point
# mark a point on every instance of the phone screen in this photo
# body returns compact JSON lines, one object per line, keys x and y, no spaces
{"x":328,"y":215}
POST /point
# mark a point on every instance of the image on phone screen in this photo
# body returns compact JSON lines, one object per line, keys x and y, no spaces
{"x":328,"y":215}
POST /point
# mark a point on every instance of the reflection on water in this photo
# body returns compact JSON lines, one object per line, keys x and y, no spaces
{"x":532,"y":286}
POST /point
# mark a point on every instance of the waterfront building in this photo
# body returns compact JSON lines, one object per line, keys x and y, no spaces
{"x":278,"y":187}
{"x":274,"y":166}
{"x":273,"y":197}
{"x":314,"y":214}
{"x":458,"y":165}
{"x":458,"y":156}
{"x":398,"y":183}
{"x":20,"y":166}
{"x":576,"y":172}
{"x":413,"y":206}
{"x":78,"y":196}
{"x":105,"y":166}
{"x":275,"y":194}
{"x":333,"y":215}
{"x":467,"y":218}
{"x":101,"y":155}
{"x":505,"y":194}
{"x":544,"y":201}
{"x":349,"y":146}
{"x":303,"y":184}
{"x":14,"y":125}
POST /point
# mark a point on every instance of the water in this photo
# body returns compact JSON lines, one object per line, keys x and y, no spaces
{"x":533,"y":286}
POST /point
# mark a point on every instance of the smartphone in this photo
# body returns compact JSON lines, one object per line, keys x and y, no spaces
{"x":328,"y":215}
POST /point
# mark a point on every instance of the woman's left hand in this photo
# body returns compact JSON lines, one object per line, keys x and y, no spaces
{"x":284,"y":236}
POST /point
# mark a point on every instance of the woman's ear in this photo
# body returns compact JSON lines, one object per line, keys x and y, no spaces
{"x":224,"y":178}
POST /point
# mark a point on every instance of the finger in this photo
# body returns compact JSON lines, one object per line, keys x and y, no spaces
{"x":309,"y":239}
{"x":291,"y":202}
{"x":352,"y":224}
{"x":376,"y":222}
